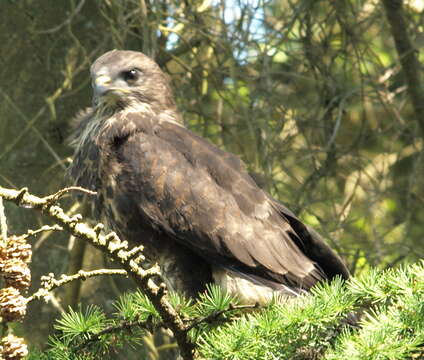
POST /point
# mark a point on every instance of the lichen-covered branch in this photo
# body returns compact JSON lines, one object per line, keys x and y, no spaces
{"x":49,"y":283}
{"x":118,"y":250}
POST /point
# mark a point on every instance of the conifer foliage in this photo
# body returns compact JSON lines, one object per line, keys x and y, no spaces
{"x":379,"y":315}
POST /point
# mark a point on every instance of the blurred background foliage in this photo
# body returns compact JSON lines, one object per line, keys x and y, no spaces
{"x":309,"y":93}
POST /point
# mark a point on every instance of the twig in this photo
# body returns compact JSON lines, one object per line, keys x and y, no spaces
{"x":3,"y":222}
{"x":76,"y":249}
{"x":29,"y":125}
{"x":215,"y":315}
{"x":167,"y":56}
{"x":56,"y":196}
{"x":146,"y":324}
{"x":49,"y":283}
{"x":125,"y":325}
{"x":44,"y":228}
{"x":118,"y":250}
{"x":66,"y":22}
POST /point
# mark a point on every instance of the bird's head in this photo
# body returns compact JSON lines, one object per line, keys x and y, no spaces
{"x":122,"y":78}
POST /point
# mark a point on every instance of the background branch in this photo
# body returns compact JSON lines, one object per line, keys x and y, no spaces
{"x":407,"y":56}
{"x":3,"y":222}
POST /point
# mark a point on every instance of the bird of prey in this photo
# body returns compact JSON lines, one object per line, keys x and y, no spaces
{"x":192,"y":205}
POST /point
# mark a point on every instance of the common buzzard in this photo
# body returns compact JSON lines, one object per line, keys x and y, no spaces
{"x":192,"y":205}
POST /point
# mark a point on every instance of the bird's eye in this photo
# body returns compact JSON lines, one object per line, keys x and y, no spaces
{"x":130,"y":75}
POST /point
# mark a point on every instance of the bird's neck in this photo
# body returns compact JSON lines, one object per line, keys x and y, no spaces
{"x":144,"y":109}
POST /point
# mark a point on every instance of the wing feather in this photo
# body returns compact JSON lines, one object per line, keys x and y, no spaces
{"x":204,"y":198}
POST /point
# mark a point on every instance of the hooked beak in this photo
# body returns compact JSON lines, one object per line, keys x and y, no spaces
{"x":101,"y":85}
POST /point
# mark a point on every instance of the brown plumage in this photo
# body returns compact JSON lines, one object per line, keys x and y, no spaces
{"x":193,"y":206}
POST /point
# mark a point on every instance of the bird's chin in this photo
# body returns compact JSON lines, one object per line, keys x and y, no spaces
{"x":111,"y":98}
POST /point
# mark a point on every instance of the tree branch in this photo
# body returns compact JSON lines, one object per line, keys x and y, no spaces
{"x":118,"y":250}
{"x":57,"y":195}
{"x":167,"y":56}
{"x":3,"y":222}
{"x":49,"y":283}
{"x":125,"y":325}
{"x":407,"y":57}
{"x":66,"y":22}
{"x":215,"y":315}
